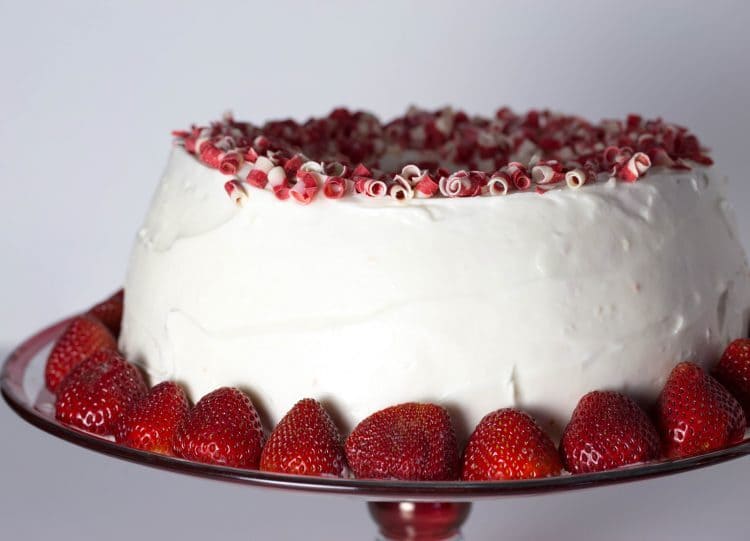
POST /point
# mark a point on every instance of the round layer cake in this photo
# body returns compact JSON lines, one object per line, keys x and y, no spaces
{"x":478,"y":263}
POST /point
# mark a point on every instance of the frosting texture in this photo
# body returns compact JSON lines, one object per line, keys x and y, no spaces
{"x":477,"y":303}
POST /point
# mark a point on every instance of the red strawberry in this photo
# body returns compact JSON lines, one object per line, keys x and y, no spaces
{"x":84,"y":336}
{"x":222,"y":428}
{"x":305,"y":442}
{"x":696,"y":414}
{"x":733,"y":371}
{"x":151,"y":423}
{"x":607,"y":430}
{"x":409,"y":441}
{"x":508,"y":444}
{"x":109,"y":312}
{"x":97,"y":391}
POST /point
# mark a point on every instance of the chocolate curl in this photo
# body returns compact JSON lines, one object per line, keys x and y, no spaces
{"x":210,"y":154}
{"x":518,"y":175}
{"x":375,"y":188}
{"x":251,"y":155}
{"x":635,"y":167}
{"x":453,"y":185}
{"x":545,"y":174}
{"x":236,"y":192}
{"x":230,"y":162}
{"x":311,"y":166}
{"x":499,"y":184}
{"x":334,"y":188}
{"x":425,"y":187}
{"x":361,"y":171}
{"x":335,"y":169}
{"x":575,"y":178}
{"x":410,"y":173}
{"x":258,"y":177}
{"x":401,"y":189}
{"x":305,"y":188}
{"x":359,"y":184}
{"x":660,"y":157}
{"x":281,"y":192}
{"x":277,"y":177}
{"x":293,"y":164}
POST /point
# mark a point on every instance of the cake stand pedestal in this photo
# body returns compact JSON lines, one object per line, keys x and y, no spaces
{"x":403,"y":510}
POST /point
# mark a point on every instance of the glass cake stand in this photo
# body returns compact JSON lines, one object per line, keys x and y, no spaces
{"x":403,"y":510}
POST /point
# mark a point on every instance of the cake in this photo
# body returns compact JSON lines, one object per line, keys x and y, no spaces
{"x":480,"y":263}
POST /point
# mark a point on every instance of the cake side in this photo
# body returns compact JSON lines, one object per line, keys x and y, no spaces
{"x":478,"y":303}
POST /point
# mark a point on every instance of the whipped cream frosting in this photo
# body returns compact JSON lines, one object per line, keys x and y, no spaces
{"x":521,"y":300}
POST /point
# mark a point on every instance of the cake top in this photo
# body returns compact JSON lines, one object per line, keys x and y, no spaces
{"x":443,"y":153}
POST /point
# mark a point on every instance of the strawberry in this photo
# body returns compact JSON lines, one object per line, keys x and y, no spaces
{"x":410,"y":441}
{"x":97,"y":391}
{"x":607,"y":430}
{"x":84,"y":336}
{"x":222,"y":428}
{"x":109,"y":312}
{"x":696,"y":414}
{"x":305,"y":442}
{"x":508,"y":444}
{"x":733,"y":371}
{"x":151,"y":423}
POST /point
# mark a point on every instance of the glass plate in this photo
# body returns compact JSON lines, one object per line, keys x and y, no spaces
{"x":400,"y":506}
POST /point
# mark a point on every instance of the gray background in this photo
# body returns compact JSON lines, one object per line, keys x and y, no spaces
{"x":90,"y":91}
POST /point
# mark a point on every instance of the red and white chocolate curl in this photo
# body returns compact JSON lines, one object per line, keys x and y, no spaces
{"x":292,"y":165}
{"x":210,"y":154}
{"x":258,"y":177}
{"x":575,"y":178}
{"x":236,"y":192}
{"x":361,"y":171}
{"x":277,"y":177}
{"x":411,"y":173}
{"x":518,"y":175}
{"x":425,"y":187}
{"x":635,"y":167}
{"x":334,"y":187}
{"x":311,"y":166}
{"x":459,"y":184}
{"x":499,"y":184}
{"x":660,"y":157}
{"x":545,"y":174}
{"x":375,"y":188}
{"x":230,"y":162}
{"x":305,"y":188}
{"x":401,"y":189}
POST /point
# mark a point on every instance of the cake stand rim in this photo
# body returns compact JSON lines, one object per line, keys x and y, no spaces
{"x":11,"y":387}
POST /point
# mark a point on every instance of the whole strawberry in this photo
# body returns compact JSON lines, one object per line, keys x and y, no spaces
{"x":696,"y":414}
{"x":222,"y":428}
{"x":109,"y":312}
{"x":151,"y":423}
{"x":83,"y":336}
{"x":508,"y":444}
{"x":607,"y":430}
{"x":305,"y":442}
{"x":410,"y":441}
{"x":97,"y":391}
{"x":733,"y":371}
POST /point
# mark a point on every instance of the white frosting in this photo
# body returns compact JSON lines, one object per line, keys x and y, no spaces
{"x":521,"y":300}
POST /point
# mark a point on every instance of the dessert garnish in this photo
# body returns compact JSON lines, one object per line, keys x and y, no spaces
{"x":696,"y":414}
{"x":305,"y":442}
{"x":607,"y":430}
{"x":509,"y":444}
{"x":443,"y":153}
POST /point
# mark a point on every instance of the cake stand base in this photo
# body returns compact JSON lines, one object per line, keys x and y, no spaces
{"x":419,"y":521}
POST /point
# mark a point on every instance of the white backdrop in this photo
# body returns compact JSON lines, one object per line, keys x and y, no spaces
{"x":89,"y":92}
